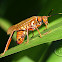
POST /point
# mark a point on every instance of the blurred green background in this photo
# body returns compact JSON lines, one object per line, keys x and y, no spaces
{"x":14,"y":11}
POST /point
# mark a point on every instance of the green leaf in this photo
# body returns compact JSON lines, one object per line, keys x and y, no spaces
{"x":55,"y":33}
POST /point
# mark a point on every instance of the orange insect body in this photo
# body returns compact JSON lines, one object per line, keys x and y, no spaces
{"x":20,"y":36}
{"x":30,"y":22}
{"x":22,"y":28}
{"x":34,"y":21}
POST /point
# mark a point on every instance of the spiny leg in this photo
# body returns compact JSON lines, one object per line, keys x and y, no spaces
{"x":8,"y":43}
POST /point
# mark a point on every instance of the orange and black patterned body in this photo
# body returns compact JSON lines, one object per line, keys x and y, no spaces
{"x":20,"y":36}
{"x":34,"y":21}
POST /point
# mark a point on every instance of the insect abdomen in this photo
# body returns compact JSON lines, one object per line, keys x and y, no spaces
{"x":20,"y":36}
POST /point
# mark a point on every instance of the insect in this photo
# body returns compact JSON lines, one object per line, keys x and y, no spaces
{"x":22,"y":28}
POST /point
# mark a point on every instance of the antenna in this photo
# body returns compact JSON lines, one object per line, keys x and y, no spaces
{"x":55,"y":14}
{"x":50,"y":12}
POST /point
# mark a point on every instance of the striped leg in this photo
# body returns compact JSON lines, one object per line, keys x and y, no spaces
{"x":8,"y":43}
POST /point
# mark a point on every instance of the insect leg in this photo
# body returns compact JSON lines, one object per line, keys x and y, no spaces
{"x":27,"y":35}
{"x":46,"y":33}
{"x":8,"y":43}
{"x":37,"y":30}
{"x":46,"y":27}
